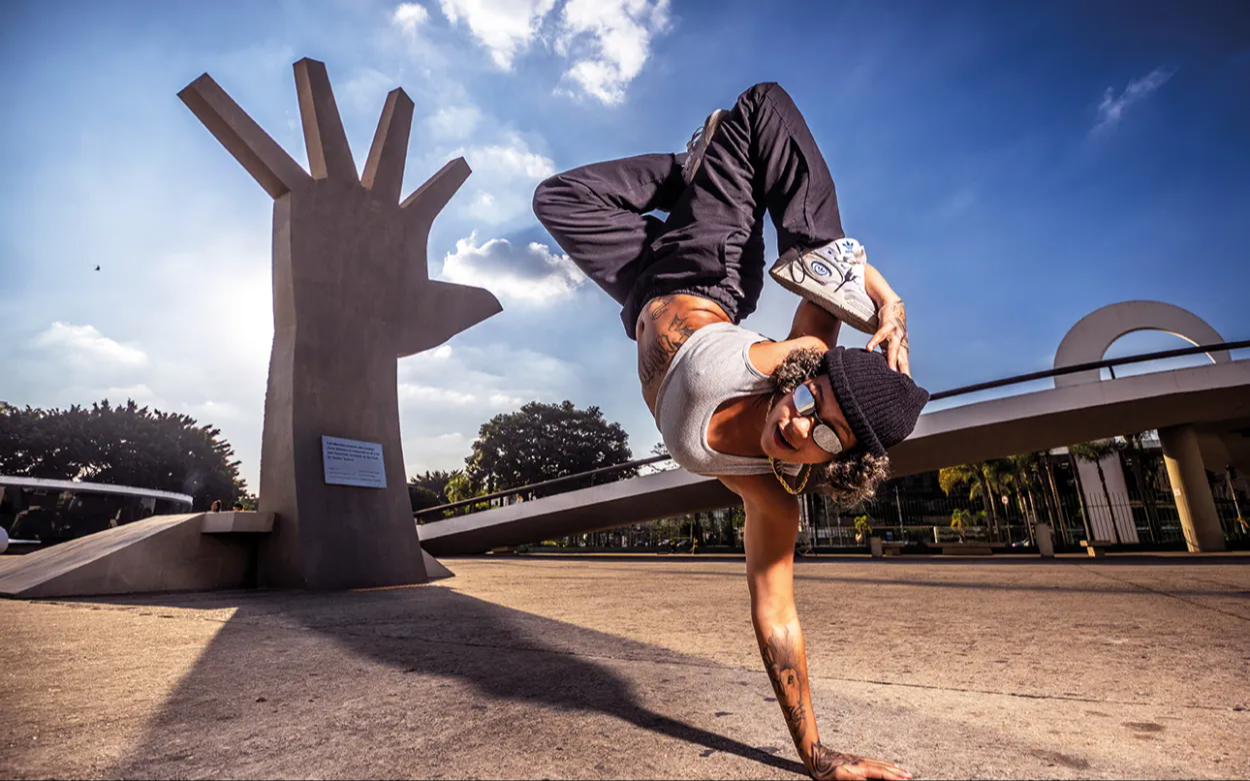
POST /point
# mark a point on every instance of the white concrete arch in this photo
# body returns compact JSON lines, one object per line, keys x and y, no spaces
{"x":1089,"y":339}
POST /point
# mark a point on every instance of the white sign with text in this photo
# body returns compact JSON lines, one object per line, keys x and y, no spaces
{"x":350,"y":462}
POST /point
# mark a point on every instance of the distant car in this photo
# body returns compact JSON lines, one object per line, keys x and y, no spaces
{"x":674,"y":546}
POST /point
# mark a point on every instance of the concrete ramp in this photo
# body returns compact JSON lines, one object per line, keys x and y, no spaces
{"x":434,"y":569}
{"x":607,"y":506}
{"x":194,"y":552}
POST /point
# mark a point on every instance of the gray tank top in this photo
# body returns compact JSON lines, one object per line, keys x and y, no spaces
{"x":713,"y":366}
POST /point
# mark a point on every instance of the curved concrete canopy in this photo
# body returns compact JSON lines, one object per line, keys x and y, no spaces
{"x":77,"y":486}
{"x":1088,"y":340}
{"x":1041,"y":420}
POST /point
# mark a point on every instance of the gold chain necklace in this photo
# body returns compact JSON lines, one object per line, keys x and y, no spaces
{"x":781,"y":478}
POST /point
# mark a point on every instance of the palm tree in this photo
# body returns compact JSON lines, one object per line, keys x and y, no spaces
{"x":1095,"y":452}
{"x":1040,"y":468}
{"x":978,"y":477}
{"x":994,"y":479}
{"x":1144,"y":490}
{"x":961,"y":518}
{"x":863,"y":528}
{"x":1023,"y":472}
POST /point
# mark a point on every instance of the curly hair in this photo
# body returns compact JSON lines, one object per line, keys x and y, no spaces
{"x":851,"y":477}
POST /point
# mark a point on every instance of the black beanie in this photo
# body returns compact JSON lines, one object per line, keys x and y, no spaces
{"x":880,"y":404}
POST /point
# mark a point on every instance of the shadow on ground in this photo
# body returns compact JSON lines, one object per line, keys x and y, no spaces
{"x":504,"y":655}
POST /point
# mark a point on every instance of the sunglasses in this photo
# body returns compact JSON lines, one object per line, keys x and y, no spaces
{"x":823,"y":434}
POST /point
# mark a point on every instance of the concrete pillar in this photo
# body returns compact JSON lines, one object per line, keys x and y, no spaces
{"x":1045,"y":539}
{"x":1189,"y":485}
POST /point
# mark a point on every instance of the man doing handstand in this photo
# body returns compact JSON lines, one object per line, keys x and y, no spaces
{"x":769,"y":419}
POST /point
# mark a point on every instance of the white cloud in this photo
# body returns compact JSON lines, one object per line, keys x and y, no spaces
{"x":504,"y":176}
{"x":453,"y":122}
{"x":504,"y":27}
{"x":613,"y":40}
{"x":1112,"y":108}
{"x":429,"y":395}
{"x":513,"y":159}
{"x":462,"y":388}
{"x":409,"y":16}
{"x":214,"y":411}
{"x":364,"y":93}
{"x":608,"y":41}
{"x":442,"y":451}
{"x":504,"y":401}
{"x":84,"y":346}
{"x":530,"y":274}
{"x":141,"y":394}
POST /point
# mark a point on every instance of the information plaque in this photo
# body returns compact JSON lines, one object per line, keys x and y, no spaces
{"x":350,"y":462}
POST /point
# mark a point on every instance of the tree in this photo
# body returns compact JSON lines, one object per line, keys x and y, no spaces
{"x":1145,"y":489}
{"x":1023,"y":474}
{"x":429,"y":489}
{"x":660,"y":449}
{"x":980,"y":478}
{"x":1048,"y":468}
{"x":544,"y":442}
{"x":423,"y":498}
{"x":1095,"y":452}
{"x":961,"y":519}
{"x":863,"y":527}
{"x":120,"y":445}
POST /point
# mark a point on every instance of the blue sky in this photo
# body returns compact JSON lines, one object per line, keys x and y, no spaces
{"x":1010,"y":168}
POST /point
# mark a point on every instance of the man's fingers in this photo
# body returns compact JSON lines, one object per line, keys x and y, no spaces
{"x":904,"y":362}
{"x":877,"y":768}
{"x":884,"y":333}
{"x":892,"y":353}
{"x":886,"y":770}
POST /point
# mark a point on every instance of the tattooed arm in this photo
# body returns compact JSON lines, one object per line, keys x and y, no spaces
{"x":892,"y":318}
{"x":771,"y":526}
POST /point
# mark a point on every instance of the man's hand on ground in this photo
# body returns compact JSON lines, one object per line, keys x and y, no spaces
{"x":828,"y":764}
{"x":893,"y":333}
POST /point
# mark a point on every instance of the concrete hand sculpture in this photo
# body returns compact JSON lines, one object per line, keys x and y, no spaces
{"x":352,"y":294}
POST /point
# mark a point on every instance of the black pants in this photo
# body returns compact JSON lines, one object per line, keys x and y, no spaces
{"x":762,"y":158}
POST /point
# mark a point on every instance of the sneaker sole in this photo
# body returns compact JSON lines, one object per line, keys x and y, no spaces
{"x":709,"y":130}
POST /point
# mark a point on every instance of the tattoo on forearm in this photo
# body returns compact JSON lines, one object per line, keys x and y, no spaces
{"x":785,"y":670}
{"x":897,"y":317}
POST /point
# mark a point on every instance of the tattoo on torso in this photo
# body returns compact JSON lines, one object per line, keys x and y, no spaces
{"x":671,"y":329}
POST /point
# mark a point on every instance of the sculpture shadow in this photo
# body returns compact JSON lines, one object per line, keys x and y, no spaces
{"x":504,"y":655}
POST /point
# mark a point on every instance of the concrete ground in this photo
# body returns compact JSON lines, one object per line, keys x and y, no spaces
{"x":645,"y":667}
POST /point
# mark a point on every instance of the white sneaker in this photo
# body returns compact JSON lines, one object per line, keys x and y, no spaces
{"x":832,"y":277}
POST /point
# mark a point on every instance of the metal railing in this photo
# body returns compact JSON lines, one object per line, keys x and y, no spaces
{"x":543,"y":484}
{"x":1106,"y":363}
